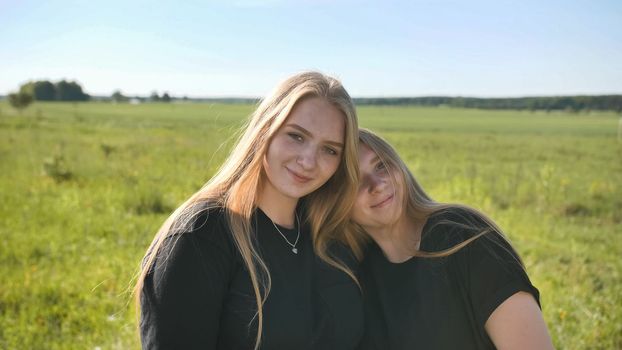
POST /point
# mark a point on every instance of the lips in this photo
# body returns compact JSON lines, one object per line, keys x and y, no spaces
{"x":384,"y":202}
{"x":298,"y":177}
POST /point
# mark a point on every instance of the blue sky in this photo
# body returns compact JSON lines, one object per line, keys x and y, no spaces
{"x":377,"y":48}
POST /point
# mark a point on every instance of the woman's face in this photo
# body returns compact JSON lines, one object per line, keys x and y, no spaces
{"x":380,"y":198}
{"x":306,"y":151}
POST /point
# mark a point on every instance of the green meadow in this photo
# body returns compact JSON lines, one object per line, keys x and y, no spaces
{"x":85,"y":186}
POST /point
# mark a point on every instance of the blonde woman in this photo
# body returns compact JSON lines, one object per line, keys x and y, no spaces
{"x":251,"y":260}
{"x":436,"y":276}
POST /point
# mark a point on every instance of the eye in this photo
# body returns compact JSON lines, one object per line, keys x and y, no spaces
{"x":381,"y":167}
{"x":295,"y":136}
{"x":331,"y":151}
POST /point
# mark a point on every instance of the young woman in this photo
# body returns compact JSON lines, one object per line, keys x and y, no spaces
{"x":251,"y":259}
{"x":436,"y":276}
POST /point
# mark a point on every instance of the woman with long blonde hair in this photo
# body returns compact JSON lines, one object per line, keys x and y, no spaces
{"x":435,"y":275}
{"x":256,"y":258}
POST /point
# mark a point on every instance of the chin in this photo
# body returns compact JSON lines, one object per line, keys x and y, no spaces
{"x":295,"y":193}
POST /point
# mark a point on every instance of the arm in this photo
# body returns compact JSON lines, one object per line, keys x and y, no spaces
{"x":518,"y":324}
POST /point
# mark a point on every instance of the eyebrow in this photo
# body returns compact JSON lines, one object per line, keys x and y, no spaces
{"x":306,"y":132}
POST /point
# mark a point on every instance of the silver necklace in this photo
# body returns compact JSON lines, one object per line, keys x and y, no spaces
{"x":294,"y":249}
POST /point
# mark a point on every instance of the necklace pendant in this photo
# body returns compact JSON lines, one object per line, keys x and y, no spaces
{"x":295,"y":250}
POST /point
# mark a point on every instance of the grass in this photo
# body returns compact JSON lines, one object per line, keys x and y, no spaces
{"x":84,"y":187}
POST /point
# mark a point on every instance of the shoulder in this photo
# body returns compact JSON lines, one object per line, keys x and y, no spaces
{"x":341,"y":252}
{"x":454,"y":225}
{"x":201,"y":221}
{"x":198,"y":251}
{"x":457,"y":217}
{"x":328,"y":275}
{"x":201,"y":218}
{"x":200,"y":231}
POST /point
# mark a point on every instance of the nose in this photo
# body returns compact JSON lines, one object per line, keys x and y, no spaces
{"x":307,"y":158}
{"x":376,"y":184}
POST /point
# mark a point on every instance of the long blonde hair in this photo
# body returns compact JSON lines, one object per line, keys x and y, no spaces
{"x":235,"y":185}
{"x":420,"y":206}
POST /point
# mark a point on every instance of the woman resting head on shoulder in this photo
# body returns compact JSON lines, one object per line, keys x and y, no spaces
{"x":247,"y":261}
{"x":436,"y":276}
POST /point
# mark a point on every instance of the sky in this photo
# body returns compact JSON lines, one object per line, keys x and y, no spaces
{"x":243,"y":48}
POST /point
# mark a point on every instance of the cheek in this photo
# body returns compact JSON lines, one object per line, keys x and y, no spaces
{"x":329,"y":164}
{"x":267,"y":173}
{"x":269,"y":164}
{"x":275,"y":152}
{"x":358,"y":215}
{"x":278,"y":148}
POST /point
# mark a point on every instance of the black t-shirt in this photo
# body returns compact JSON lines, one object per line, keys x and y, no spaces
{"x":440,"y":303}
{"x":200,"y":295}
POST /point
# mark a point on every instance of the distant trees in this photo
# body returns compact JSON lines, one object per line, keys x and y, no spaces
{"x":40,"y":90}
{"x":154,"y":97}
{"x":70,"y":91}
{"x":118,"y":96}
{"x":44,"y":90}
{"x":20,"y":100}
{"x":568,"y":103}
{"x":63,"y":90}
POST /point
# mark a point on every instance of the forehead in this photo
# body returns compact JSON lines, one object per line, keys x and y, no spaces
{"x":319,"y":117}
{"x":366,"y":155}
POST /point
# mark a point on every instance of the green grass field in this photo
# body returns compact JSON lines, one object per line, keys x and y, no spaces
{"x":83,"y":188}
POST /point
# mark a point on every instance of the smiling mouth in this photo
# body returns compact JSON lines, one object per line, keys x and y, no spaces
{"x":298,"y":177}
{"x":384,"y":202}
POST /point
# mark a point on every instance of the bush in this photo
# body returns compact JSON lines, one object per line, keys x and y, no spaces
{"x":20,"y":100}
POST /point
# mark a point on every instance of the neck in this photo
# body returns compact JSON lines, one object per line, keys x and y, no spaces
{"x":279,"y":208}
{"x":398,"y":242}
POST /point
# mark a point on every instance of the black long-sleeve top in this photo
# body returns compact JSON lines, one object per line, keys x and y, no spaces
{"x":198,"y":295}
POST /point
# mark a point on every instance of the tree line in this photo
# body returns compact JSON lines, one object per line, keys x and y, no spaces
{"x":566,"y":103}
{"x":118,"y":96}
{"x":44,"y":90}
{"x":63,"y":90}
